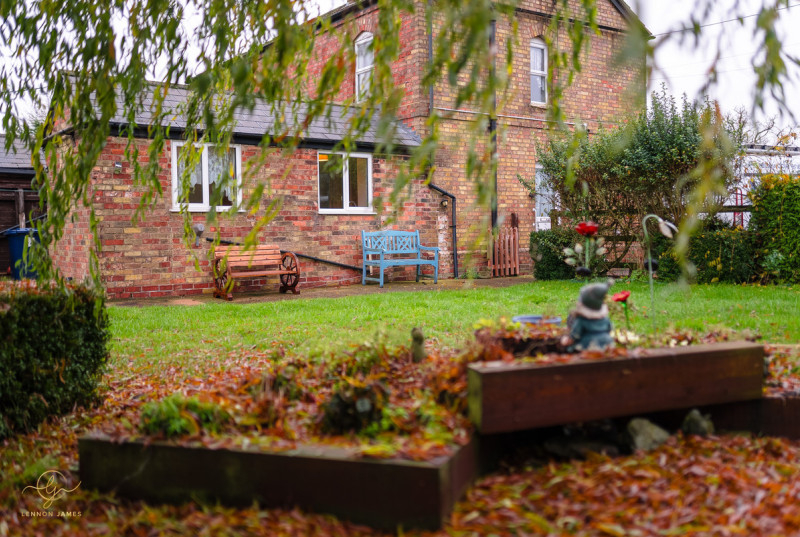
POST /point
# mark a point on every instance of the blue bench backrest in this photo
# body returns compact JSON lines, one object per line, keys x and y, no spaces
{"x":393,"y":242}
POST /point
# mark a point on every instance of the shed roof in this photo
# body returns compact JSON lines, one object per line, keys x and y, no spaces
{"x":251,"y":125}
{"x":15,"y":160}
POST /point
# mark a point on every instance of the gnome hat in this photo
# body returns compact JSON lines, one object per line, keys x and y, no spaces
{"x":594,"y":295}
{"x":591,"y":301}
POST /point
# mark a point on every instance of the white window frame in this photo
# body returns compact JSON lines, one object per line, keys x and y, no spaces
{"x":346,"y":185}
{"x":542,"y":221}
{"x":366,"y":39}
{"x":539,"y":44}
{"x":205,"y":206}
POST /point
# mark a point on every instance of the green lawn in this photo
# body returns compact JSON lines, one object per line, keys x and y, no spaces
{"x":184,"y":335}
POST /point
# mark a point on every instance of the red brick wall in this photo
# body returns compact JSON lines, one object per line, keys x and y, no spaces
{"x":598,"y":98}
{"x":71,"y":254}
{"x":150,"y":259}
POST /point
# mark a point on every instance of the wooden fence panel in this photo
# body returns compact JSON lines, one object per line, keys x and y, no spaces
{"x":504,"y":252}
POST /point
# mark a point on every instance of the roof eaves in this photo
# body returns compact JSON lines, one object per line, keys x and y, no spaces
{"x":629,"y":15}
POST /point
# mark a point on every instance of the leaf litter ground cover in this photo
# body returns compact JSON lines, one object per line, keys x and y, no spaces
{"x":723,"y":485}
{"x":373,"y":400}
{"x":376,"y":402}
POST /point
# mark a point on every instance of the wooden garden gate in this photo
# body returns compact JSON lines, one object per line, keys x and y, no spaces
{"x":504,"y":252}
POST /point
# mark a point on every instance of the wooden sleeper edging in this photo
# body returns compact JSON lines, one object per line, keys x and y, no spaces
{"x":382,"y":493}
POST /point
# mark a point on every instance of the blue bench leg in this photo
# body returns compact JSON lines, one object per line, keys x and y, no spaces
{"x":419,"y":271}
{"x":436,"y":273}
{"x":364,"y":275}
{"x":381,"y":277}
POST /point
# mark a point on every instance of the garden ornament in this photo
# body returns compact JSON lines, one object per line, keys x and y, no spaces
{"x":592,"y":247}
{"x":589,"y":325}
{"x":418,"y":345}
{"x":666,"y":228}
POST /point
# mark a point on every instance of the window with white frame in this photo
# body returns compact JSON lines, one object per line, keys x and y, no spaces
{"x":207,"y":185}
{"x":538,"y":71}
{"x":365,"y":60}
{"x":345,"y":183}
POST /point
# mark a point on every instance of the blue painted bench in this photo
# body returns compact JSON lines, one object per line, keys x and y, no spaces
{"x":387,"y":245}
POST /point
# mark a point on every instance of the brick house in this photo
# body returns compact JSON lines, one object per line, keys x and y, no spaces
{"x":322,"y":215}
{"x":599,"y":97}
{"x":150,"y":259}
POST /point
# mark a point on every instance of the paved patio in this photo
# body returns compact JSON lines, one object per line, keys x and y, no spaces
{"x":269,"y":294}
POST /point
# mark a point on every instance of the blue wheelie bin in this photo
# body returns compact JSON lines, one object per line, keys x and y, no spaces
{"x":16,"y":245}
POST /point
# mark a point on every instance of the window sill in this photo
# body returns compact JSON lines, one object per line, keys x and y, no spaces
{"x":368,"y":212}
{"x":174,"y":209}
{"x":539,"y":105}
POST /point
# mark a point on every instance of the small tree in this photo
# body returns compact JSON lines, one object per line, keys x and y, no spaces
{"x":649,"y":165}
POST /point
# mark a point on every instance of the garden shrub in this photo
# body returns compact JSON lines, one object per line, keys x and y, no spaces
{"x":53,"y":351}
{"x":776,"y":221}
{"x":725,"y":255}
{"x":354,"y":406}
{"x":547,"y":251}
{"x":618,"y":176}
{"x":177,"y":415}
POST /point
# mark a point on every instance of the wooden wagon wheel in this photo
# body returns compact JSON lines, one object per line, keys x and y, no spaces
{"x":221,"y":282}
{"x":289,"y":281}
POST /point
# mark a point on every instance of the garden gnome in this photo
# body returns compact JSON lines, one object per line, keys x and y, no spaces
{"x":589,"y":325}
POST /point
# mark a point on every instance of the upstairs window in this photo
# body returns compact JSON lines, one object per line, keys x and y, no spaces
{"x":365,"y":60}
{"x":538,"y":71}
{"x":207,"y":184}
{"x":345,"y":183}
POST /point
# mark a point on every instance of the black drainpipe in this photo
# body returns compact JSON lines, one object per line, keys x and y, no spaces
{"x":493,"y":117}
{"x":441,"y":191}
{"x":452,"y":225}
{"x":304,"y":256}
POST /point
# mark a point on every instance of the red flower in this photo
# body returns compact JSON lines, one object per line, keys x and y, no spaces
{"x":587,"y":229}
{"x":622,"y":296}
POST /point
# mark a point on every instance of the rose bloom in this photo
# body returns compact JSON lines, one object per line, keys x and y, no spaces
{"x":622,"y":296}
{"x":587,"y":229}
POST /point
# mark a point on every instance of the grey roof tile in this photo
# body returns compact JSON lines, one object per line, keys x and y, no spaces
{"x":261,"y":120}
{"x":18,"y":157}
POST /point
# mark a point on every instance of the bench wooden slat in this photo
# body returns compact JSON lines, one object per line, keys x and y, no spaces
{"x":261,"y":259}
{"x":257,"y":273}
{"x":237,"y":250}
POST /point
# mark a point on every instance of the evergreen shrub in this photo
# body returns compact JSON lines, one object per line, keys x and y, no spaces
{"x":52,"y":351}
{"x":776,"y":221}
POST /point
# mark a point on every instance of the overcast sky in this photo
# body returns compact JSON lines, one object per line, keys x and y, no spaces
{"x":684,"y":66}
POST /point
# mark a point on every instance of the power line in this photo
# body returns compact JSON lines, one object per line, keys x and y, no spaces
{"x":704,"y":73}
{"x":681,"y":30}
{"x":719,"y":60}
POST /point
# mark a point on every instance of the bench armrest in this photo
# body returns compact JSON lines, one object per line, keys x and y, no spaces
{"x":436,"y":248}
{"x":373,"y":250}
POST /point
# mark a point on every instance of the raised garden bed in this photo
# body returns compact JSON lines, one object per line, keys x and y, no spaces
{"x":385,"y":493}
{"x":505,"y":397}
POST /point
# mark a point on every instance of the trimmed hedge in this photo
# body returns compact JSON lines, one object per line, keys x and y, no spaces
{"x":776,"y":220}
{"x":725,"y":255}
{"x":547,"y":252}
{"x":52,"y":351}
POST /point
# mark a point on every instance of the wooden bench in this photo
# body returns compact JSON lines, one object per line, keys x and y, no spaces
{"x":388,"y":244}
{"x":233,"y":262}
